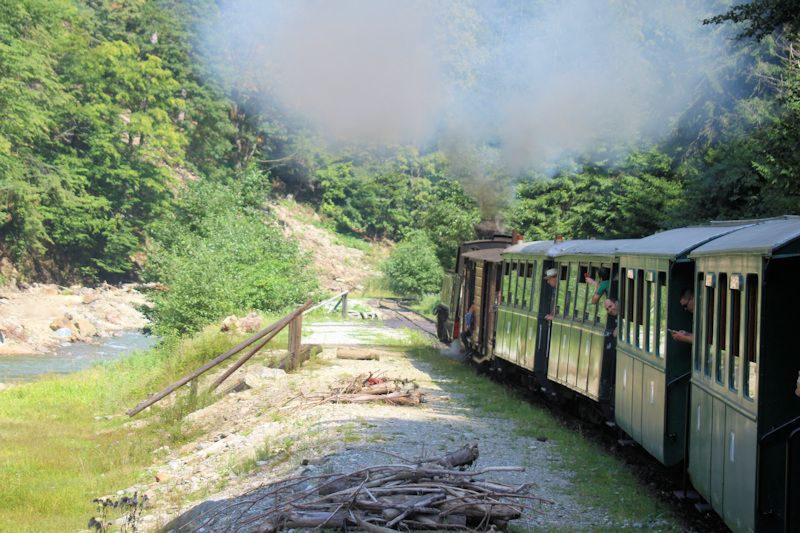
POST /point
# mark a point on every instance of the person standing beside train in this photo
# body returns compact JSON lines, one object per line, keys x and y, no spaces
{"x":551,"y":278}
{"x":687,"y":302}
{"x":469,"y":324}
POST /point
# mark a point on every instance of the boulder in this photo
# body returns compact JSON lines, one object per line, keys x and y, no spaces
{"x":85,"y":328}
{"x":63,"y":322}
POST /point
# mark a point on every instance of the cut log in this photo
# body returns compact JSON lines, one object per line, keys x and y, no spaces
{"x":356,"y":355}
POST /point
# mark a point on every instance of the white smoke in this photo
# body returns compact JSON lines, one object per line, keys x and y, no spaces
{"x":540,"y":81}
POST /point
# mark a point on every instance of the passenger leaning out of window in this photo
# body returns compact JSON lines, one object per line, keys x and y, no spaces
{"x":602,"y":287}
{"x":687,"y":302}
{"x":551,"y":278}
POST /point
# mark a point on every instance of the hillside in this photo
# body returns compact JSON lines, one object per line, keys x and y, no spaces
{"x":342,"y":263}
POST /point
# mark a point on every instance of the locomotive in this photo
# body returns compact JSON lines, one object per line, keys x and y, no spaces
{"x":723,"y":401}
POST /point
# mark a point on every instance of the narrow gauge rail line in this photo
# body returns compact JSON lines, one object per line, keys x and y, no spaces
{"x":661,"y":479}
{"x":405,"y":314}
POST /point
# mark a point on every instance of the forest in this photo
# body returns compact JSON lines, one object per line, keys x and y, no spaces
{"x":131,"y":148}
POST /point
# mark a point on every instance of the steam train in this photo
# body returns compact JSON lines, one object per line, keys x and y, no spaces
{"x":726,"y":405}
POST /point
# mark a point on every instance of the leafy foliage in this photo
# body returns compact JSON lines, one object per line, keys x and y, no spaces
{"x":761,"y":17}
{"x":413,"y":269}
{"x":217,"y":256}
{"x":632,"y":200}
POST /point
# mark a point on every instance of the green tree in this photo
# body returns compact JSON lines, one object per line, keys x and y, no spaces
{"x":412,"y":268}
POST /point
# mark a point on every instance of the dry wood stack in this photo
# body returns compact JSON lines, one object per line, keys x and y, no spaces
{"x":366,"y":388}
{"x":429,"y":494}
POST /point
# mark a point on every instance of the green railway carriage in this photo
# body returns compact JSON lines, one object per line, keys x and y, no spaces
{"x":652,"y":370}
{"x":521,"y":331}
{"x":577,"y":357}
{"x":744,"y":428}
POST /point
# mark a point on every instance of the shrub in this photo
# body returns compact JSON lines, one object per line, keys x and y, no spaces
{"x":412,"y":268}
{"x":216,"y":258}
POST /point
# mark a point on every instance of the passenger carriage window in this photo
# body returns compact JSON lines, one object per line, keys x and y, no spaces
{"x":522,"y":288}
{"x":722,"y":327}
{"x":662,"y":314}
{"x":709,"y":327}
{"x":514,"y":290}
{"x":580,"y":294}
{"x":569,"y":305}
{"x":652,"y":309}
{"x":750,"y":384}
{"x":736,"y":330}
{"x":699,"y":302}
{"x":531,"y":291}
{"x":506,"y":283}
{"x":640,"y":309}
{"x":623,"y":305}
{"x":561,"y":300}
{"x":630,"y":329}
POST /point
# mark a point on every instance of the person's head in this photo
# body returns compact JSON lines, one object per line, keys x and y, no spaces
{"x":551,"y":276}
{"x":687,"y":299}
{"x":471,"y":307}
{"x":611,"y":305}
{"x":603,"y":273}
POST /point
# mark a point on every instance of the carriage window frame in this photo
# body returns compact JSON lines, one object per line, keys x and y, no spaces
{"x":697,"y":320}
{"x":722,"y":328}
{"x":561,"y":289}
{"x":523,"y":293}
{"x":710,"y":290}
{"x":569,"y":303}
{"x":752,"y":323}
{"x":532,"y":291}
{"x":504,"y":293}
{"x":663,"y":306}
{"x":735,"y":345}
{"x":582,"y":298}
{"x":639,"y":330}
{"x":651,"y":312}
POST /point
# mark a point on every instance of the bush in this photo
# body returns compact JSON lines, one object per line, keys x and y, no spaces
{"x":412,"y":268}
{"x":217,"y":257}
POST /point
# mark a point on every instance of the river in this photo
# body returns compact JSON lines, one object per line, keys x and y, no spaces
{"x":72,"y":357}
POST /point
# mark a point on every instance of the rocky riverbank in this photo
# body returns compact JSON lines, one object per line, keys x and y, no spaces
{"x":41,"y":317}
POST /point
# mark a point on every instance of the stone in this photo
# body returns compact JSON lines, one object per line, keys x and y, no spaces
{"x":60,"y":323}
{"x":63,"y":333}
{"x":251,"y":323}
{"x":90,"y":297}
{"x":85,"y":328}
{"x":228,"y":323}
{"x":260,"y":376}
{"x":162,"y":476}
{"x":114,"y":317}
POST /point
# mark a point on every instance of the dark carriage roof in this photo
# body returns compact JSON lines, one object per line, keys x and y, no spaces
{"x":764,"y":237}
{"x":676,"y":243}
{"x":491,"y":255}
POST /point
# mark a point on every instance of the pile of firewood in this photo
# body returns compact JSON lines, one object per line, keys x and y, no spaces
{"x":427,"y":494}
{"x":366,"y":388}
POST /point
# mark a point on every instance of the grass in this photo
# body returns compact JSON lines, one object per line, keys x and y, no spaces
{"x":598,"y":479}
{"x":425,"y":305}
{"x":59,"y":449}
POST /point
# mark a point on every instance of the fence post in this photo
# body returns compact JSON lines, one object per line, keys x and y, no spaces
{"x":344,"y":306}
{"x":295,"y":338}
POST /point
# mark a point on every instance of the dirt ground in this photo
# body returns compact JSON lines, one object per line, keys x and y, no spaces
{"x":340,"y":267}
{"x":40,"y":318}
{"x":264,"y":434}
